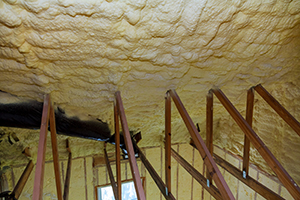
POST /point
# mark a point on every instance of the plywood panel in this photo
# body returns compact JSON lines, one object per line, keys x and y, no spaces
{"x":285,"y":194}
{"x":139,"y":164}
{"x":153,"y":155}
{"x":184,"y":178}
{"x":102,"y":176}
{"x":271,"y":184}
{"x":206,"y":195}
{"x":49,"y":190}
{"x":233,"y":160}
{"x":232,"y":182}
{"x":77,"y":183}
{"x":198,"y":165}
{"x":253,"y":173}
{"x":128,"y":171}
{"x":89,"y":178}
{"x":123,"y":171}
{"x":113,"y":168}
{"x":245,"y":192}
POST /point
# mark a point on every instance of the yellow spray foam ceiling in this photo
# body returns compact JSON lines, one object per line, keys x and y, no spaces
{"x":81,"y":52}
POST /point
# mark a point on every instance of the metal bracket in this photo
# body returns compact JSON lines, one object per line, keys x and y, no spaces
{"x":244,"y":175}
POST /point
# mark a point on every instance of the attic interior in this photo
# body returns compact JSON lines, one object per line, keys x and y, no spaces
{"x":83,"y":52}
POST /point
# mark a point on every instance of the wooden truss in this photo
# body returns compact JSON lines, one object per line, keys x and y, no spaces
{"x":47,"y":115}
{"x":131,"y":155}
{"x":281,"y":111}
{"x":164,"y":188}
{"x":252,"y":137}
{"x":213,"y":170}
{"x":220,"y":191}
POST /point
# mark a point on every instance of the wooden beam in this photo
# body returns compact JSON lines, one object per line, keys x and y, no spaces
{"x":249,"y":118}
{"x":284,"y":114}
{"x":282,"y":175}
{"x":68,"y":173}
{"x":131,"y":155}
{"x":118,"y":158}
{"x":160,"y":184}
{"x":250,"y":182}
{"x":168,"y":141}
{"x":196,"y":175}
{"x":111,"y":176}
{"x":23,"y":179}
{"x":55,"y":153}
{"x":204,"y":152}
{"x":40,"y":164}
{"x":26,"y":152}
{"x":209,"y":128}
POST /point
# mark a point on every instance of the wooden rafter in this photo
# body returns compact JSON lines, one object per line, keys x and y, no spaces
{"x":204,"y":152}
{"x":249,"y":118}
{"x":55,"y":153}
{"x":117,"y":146}
{"x":131,"y":155}
{"x":23,"y":179}
{"x":48,"y":115}
{"x":209,"y":128}
{"x":40,"y":164}
{"x":168,"y":141}
{"x":250,"y":182}
{"x":281,"y":173}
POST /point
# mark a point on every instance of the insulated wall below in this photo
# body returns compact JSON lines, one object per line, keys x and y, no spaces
{"x":85,"y":178}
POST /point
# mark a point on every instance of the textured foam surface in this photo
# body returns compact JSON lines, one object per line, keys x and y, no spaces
{"x":81,"y":53}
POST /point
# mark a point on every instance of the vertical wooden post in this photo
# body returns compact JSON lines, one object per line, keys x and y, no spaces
{"x":23,"y":179}
{"x":55,"y":152}
{"x":209,"y":129}
{"x":134,"y":168}
{"x":110,"y":173}
{"x":68,"y":173}
{"x":40,"y":164}
{"x":200,"y":145}
{"x":117,"y":145}
{"x":249,"y":117}
{"x":168,"y":141}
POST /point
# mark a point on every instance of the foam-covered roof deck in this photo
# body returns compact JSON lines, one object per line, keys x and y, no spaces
{"x":82,"y":52}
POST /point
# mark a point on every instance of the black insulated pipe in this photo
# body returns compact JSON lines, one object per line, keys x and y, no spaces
{"x":28,"y":115}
